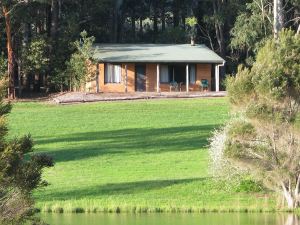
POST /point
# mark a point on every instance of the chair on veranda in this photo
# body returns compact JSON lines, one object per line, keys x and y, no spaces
{"x":204,"y":85}
{"x":174,"y":85}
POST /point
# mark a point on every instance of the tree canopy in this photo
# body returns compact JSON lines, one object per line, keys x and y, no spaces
{"x":234,"y":29}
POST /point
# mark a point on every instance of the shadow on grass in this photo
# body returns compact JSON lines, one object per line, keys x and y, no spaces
{"x":117,"y":189}
{"x":130,"y":141}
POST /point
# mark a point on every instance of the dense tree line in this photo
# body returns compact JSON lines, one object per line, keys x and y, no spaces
{"x":39,"y":33}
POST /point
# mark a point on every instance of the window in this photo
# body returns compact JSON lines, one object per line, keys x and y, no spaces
{"x":177,"y":73}
{"x":192,"y":71}
{"x":112,"y":73}
{"x":164,"y":74}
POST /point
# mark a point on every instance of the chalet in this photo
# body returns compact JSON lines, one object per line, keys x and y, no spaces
{"x":156,"y":68}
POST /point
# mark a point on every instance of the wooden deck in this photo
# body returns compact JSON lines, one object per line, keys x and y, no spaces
{"x":79,"y":97}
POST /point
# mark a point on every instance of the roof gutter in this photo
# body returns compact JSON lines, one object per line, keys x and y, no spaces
{"x":161,"y":61}
{"x":218,"y":75}
{"x":223,"y":64}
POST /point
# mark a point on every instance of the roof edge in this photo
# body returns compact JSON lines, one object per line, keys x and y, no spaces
{"x":161,"y":61}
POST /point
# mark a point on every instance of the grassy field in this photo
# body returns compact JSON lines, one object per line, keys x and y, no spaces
{"x":129,"y":156}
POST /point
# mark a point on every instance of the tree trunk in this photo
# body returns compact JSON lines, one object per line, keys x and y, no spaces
{"x":54,"y":25}
{"x":20,"y":79}
{"x":221,"y":40}
{"x":25,"y":42}
{"x":120,"y":27}
{"x":54,"y":19}
{"x":163,"y":19}
{"x":155,"y":22}
{"x":133,"y":26}
{"x":289,"y":200}
{"x":48,"y":20}
{"x":292,"y":220}
{"x":37,"y":83}
{"x":290,"y":194}
{"x":59,"y":9}
{"x":115,"y":25}
{"x":278,"y":17}
{"x":175,"y":13}
{"x":10,"y":53}
{"x":141,"y":26}
{"x":117,"y":20}
{"x":219,"y":28}
{"x":26,"y":34}
{"x":183,"y":18}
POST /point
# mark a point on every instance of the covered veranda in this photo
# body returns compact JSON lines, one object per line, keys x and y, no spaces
{"x":184,"y":76}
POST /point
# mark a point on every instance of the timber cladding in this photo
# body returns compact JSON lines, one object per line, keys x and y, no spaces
{"x":203,"y":71}
{"x":151,"y":77}
{"x":130,"y":76}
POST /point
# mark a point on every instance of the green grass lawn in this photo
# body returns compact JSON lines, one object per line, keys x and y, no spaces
{"x":129,"y":156}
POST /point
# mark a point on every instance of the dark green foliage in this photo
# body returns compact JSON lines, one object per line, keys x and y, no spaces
{"x":172,"y":35}
{"x":240,"y":86}
{"x":276,"y":73}
{"x":251,"y":28}
{"x":249,"y":186}
{"x":18,"y":176}
{"x":35,"y":57}
{"x":77,"y":72}
{"x":44,"y":31}
{"x":263,"y":138}
{"x":272,"y":81}
{"x":3,"y":66}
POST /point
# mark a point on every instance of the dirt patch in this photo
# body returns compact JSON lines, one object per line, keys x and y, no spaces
{"x":79,"y":97}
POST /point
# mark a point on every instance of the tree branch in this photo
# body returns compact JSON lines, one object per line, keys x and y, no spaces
{"x":16,"y":5}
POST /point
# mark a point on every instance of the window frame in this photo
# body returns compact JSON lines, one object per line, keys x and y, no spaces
{"x":113,"y":73}
{"x":195,"y":65}
{"x":160,"y":74}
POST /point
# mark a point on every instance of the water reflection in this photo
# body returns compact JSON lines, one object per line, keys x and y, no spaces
{"x":173,"y":219}
{"x":292,"y":220}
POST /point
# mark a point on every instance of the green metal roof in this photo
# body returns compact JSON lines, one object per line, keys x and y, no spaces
{"x":155,"y":53}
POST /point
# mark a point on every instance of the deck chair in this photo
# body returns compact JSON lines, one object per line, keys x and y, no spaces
{"x":173,"y":85}
{"x":204,"y":85}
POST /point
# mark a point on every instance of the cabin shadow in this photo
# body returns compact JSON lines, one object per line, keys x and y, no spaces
{"x":79,"y":146}
{"x":125,"y":188}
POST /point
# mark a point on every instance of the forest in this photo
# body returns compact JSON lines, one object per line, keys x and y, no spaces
{"x":38,"y":36}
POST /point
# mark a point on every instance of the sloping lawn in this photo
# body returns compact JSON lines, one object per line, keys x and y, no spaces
{"x":129,"y":156}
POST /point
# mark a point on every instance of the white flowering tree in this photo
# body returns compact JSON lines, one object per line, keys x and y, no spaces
{"x":263,"y":136}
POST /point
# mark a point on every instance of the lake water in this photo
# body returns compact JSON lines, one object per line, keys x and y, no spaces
{"x":172,"y":219}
